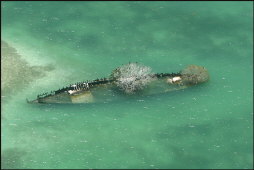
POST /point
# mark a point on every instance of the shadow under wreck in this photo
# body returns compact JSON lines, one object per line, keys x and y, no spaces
{"x":126,"y":80}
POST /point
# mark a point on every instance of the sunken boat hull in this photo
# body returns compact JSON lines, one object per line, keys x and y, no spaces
{"x":107,"y":92}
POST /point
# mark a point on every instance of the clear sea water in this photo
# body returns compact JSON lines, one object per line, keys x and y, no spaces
{"x":206,"y":126}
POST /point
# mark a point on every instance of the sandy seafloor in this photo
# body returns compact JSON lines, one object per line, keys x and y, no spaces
{"x":58,"y":43}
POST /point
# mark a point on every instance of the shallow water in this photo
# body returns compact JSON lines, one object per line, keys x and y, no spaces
{"x":206,"y":126}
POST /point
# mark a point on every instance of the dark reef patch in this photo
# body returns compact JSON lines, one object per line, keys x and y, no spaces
{"x":12,"y":158}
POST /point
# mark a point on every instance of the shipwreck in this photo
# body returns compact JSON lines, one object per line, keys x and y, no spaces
{"x":126,"y":80}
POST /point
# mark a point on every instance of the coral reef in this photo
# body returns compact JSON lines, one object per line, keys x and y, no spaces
{"x":132,"y":77}
{"x":194,"y":74}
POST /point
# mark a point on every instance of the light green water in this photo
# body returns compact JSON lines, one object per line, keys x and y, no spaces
{"x":207,"y":126}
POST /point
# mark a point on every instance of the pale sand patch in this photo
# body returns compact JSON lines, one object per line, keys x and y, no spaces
{"x":16,"y":72}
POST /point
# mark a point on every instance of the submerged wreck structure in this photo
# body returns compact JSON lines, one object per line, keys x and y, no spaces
{"x":126,"y":80}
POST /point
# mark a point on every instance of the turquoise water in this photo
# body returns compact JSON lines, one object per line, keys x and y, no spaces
{"x":206,"y":126}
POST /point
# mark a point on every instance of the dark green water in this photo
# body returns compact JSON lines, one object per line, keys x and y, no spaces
{"x":207,"y":126}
